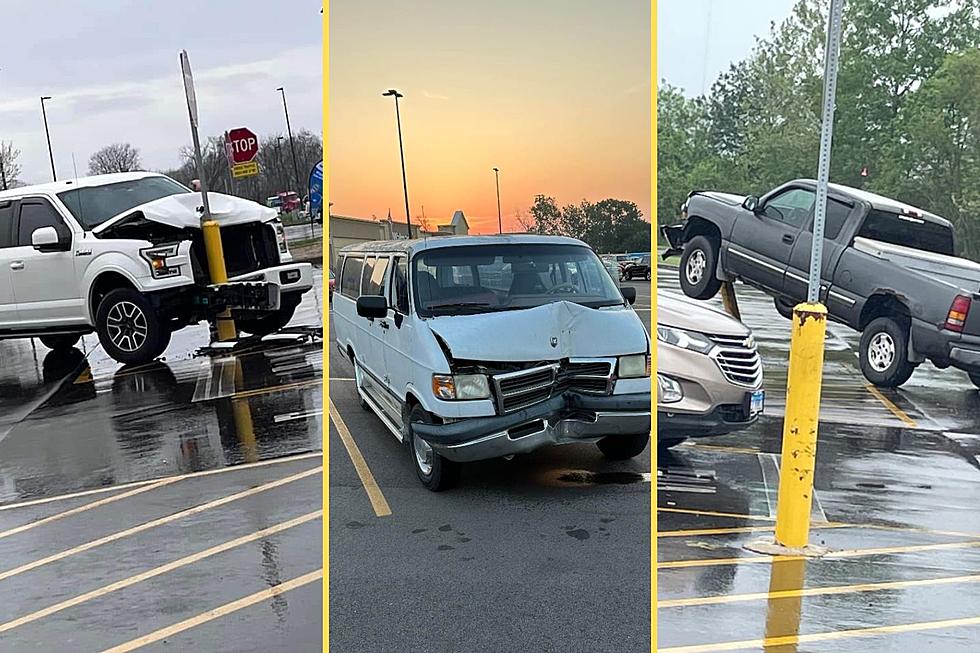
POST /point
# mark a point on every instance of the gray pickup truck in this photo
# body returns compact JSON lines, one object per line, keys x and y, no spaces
{"x":889,"y":270}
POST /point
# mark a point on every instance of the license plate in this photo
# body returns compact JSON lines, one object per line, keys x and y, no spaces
{"x":757,"y":402}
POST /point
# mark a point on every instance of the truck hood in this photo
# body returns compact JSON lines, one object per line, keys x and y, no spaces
{"x":726,"y":198}
{"x":182,"y":211}
{"x":527,"y":334}
{"x":682,"y":313}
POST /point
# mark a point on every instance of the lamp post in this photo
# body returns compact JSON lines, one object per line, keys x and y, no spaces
{"x":500,"y":224}
{"x":401,"y":150}
{"x":47,"y":133}
{"x":289,"y":131}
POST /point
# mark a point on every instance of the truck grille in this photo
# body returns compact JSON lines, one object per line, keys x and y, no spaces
{"x":740,"y":363}
{"x":517,"y":390}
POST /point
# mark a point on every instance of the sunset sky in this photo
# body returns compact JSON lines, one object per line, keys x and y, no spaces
{"x":555,"y":93}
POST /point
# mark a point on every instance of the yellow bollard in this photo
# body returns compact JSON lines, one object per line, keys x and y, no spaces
{"x":216,"y":268}
{"x":799,"y":452}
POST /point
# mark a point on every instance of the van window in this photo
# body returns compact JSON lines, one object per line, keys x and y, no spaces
{"x":375,"y":283}
{"x":366,"y":274}
{"x":6,"y":224}
{"x":907,"y":231}
{"x":350,"y":278}
{"x":37,"y":213}
{"x":399,"y":285}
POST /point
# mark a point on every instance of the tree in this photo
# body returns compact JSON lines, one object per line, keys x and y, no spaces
{"x":607,"y":226}
{"x":9,"y":166}
{"x":118,"y":157}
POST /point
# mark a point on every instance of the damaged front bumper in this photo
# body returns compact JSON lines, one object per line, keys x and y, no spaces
{"x":674,"y":235}
{"x":261,"y":291}
{"x":569,"y":417}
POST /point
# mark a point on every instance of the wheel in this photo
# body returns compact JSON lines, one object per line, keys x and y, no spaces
{"x":435,"y":472}
{"x":622,"y":447}
{"x":647,"y":276}
{"x":129,"y":328}
{"x":883,"y":358}
{"x":669,"y":443}
{"x":61,"y":342}
{"x":698,"y":263}
{"x":270,"y":322}
{"x":783,"y":308}
{"x":975,"y":377}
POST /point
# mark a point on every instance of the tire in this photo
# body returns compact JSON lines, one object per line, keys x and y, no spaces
{"x":129,"y":329}
{"x":623,"y":447}
{"x":61,"y":342}
{"x":697,"y":269}
{"x":669,"y":443}
{"x":783,"y":309}
{"x":435,"y":472}
{"x":270,"y":322}
{"x":883,"y":356}
{"x":647,"y":276}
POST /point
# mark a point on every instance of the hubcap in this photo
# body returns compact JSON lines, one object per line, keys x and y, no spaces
{"x":695,"y":267}
{"x":881,"y":352}
{"x":423,"y":455}
{"x":126,"y":324}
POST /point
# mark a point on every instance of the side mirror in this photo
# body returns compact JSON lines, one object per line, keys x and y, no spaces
{"x":751,"y":203}
{"x":372,"y":306}
{"x":629,"y":294}
{"x":45,"y":239}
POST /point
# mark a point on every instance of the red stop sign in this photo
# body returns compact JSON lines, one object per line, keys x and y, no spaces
{"x":243,"y":144}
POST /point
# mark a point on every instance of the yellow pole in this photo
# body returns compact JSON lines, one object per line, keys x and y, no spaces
{"x":799,"y":450}
{"x":216,"y":267}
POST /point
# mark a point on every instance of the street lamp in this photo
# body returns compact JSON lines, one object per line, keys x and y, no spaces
{"x":47,"y":133}
{"x":279,"y":140}
{"x":401,"y":149}
{"x":289,"y":131}
{"x":500,"y":224}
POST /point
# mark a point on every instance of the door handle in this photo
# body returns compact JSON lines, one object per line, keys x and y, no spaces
{"x":383,"y":324}
{"x":788,"y":239}
{"x":17,"y":265}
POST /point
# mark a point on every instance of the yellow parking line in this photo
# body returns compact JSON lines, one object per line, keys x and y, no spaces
{"x":61,"y":555}
{"x":817,"y":591}
{"x":157,"y":571}
{"x":378,"y":502}
{"x":787,"y":640}
{"x":220,"y":611}
{"x":896,"y":411}
{"x":835,"y":555}
{"x":88,"y":506}
{"x":277,"y":388}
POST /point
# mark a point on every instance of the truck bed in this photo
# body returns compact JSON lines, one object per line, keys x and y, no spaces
{"x":959,"y":272}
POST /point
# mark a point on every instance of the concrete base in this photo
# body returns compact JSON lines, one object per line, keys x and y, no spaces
{"x":773,"y":548}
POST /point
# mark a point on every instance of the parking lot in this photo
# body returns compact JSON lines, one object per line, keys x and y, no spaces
{"x":175,"y":505}
{"x":549,"y":549}
{"x":898,"y":473}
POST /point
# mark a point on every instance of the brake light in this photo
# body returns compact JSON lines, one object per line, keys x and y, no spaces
{"x":958,"y":311}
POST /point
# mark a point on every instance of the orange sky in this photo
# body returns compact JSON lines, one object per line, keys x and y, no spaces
{"x":555,"y":93}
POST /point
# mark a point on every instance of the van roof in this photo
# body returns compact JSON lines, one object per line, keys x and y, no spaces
{"x":54,"y":187}
{"x":420,"y":244}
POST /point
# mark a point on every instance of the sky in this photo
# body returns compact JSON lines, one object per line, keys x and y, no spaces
{"x":698,"y":39}
{"x":554,"y":93}
{"x":112,"y":70}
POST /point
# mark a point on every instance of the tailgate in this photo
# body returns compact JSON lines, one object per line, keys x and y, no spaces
{"x":972,"y":326}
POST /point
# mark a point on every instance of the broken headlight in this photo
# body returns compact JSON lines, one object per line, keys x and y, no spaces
{"x":159,"y":258}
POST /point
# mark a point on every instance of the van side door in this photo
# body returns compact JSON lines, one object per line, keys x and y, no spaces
{"x":401,"y":333}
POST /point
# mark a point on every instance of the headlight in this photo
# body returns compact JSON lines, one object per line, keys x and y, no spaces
{"x":634,"y":366}
{"x":451,"y":387}
{"x":157,"y":257}
{"x":669,"y":390}
{"x":684,"y":339}
{"x":280,"y":236}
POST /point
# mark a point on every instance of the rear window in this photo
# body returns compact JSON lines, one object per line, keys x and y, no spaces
{"x":908,"y":231}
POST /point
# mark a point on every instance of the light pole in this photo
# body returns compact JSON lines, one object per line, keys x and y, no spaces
{"x":292,"y":148}
{"x":279,"y":140}
{"x":47,"y":133}
{"x":401,"y":150}
{"x":500,"y":224}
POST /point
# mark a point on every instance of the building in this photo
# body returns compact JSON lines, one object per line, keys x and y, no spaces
{"x":347,"y":230}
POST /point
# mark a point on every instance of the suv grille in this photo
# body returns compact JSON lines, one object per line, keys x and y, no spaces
{"x":739,"y":363}
{"x":517,"y":390}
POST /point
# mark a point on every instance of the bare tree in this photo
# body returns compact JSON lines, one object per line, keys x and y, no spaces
{"x":525,"y":222}
{"x":9,"y":168}
{"x":118,"y":157}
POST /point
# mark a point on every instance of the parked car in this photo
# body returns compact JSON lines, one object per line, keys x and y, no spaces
{"x":123,"y":255}
{"x":889,"y":270}
{"x":332,"y":285}
{"x":476,"y":347}
{"x":637,"y":268}
{"x":612,"y":268}
{"x":709,"y":374}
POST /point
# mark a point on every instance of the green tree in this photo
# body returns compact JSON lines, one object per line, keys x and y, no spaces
{"x":607,"y":226}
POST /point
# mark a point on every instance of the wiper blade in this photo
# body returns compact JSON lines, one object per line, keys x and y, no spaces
{"x":437,"y":307}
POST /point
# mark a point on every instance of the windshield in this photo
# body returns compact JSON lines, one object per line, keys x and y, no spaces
{"x":94,"y":205}
{"x":489,"y":278}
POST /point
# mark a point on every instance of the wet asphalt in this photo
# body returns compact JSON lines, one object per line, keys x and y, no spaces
{"x":546,"y":552}
{"x":897,"y":480}
{"x":136,"y":498}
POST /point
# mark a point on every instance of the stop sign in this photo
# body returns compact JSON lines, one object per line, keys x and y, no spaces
{"x":244,"y":144}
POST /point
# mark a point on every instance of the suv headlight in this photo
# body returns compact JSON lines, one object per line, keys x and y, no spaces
{"x":157,"y":257}
{"x":633,"y":366}
{"x":684,"y":339}
{"x":452,"y":387}
{"x":669,"y":390}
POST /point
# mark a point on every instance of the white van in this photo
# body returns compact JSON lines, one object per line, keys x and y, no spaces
{"x":476,"y":347}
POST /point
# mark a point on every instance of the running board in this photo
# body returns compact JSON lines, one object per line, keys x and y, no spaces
{"x":396,"y":431}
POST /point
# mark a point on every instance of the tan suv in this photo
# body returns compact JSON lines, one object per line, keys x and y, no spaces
{"x":709,"y":374}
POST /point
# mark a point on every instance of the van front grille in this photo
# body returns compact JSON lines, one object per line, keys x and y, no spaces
{"x":517,"y":390}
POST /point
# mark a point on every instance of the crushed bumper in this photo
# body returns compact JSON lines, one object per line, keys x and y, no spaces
{"x":674,"y":235}
{"x":261,"y":291}
{"x":566,"y":418}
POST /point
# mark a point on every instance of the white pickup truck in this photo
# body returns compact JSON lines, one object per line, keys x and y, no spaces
{"x":123,"y":255}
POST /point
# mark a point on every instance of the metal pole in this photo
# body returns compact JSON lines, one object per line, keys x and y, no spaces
{"x":3,"y":175}
{"x":47,"y":133}
{"x":500,"y":224}
{"x":401,"y":151}
{"x":292,"y":148}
